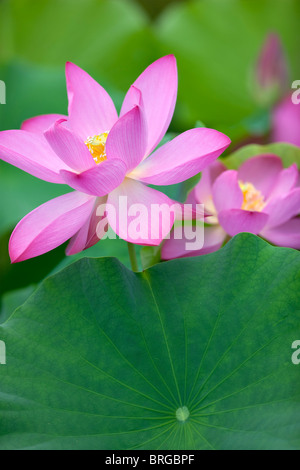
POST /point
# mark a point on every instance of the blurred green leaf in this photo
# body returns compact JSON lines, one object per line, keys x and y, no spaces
{"x":106,"y":37}
{"x":155,"y":7}
{"x":114,"y":247}
{"x":17,"y":276}
{"x":288,"y":153}
{"x":100,"y":357}
{"x":31,"y":90}
{"x":216,"y":43}
{"x":22,"y":193}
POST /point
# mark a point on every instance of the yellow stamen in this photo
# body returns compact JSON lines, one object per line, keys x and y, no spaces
{"x":253,"y":198}
{"x":97,"y":147}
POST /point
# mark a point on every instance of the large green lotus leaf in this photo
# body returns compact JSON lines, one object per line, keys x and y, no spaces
{"x":191,"y":354}
{"x":12,"y":300}
{"x":217,"y":43}
{"x":288,"y":153}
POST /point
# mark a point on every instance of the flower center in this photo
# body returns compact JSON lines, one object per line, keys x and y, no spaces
{"x":253,"y":198}
{"x":97,"y":147}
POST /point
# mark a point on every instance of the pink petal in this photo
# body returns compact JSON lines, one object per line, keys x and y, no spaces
{"x":214,"y":238}
{"x":236,"y":221}
{"x":262,"y":172}
{"x":133,"y":213}
{"x":203,"y":190}
{"x":31,"y":153}
{"x":91,"y":110}
{"x":190,"y":211}
{"x":69,"y":147}
{"x":282,"y":209}
{"x":39,"y":124}
{"x":272,"y":67}
{"x":287,"y":234}
{"x":227,"y":193}
{"x":287,"y":180}
{"x":182,"y":158}
{"x":132,"y":99}
{"x":49,"y":226}
{"x":89,"y":234}
{"x":158,"y":85}
{"x":98,"y":181}
{"x":128,"y":138}
{"x":286,"y":122}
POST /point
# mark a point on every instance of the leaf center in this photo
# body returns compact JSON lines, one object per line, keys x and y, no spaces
{"x":182,"y":414}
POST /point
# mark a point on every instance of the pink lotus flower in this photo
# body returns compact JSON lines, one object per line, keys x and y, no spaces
{"x":102,"y":157}
{"x":260,"y":198}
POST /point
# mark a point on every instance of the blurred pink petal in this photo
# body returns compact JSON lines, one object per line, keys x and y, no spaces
{"x":39,"y":124}
{"x":183,"y":157}
{"x":203,"y":190}
{"x":287,"y":235}
{"x":128,"y":139}
{"x":140,"y":202}
{"x":236,"y":221}
{"x":69,"y":147}
{"x":226,"y":191}
{"x":91,"y":109}
{"x":31,"y":153}
{"x":88,"y":235}
{"x":214,"y":238}
{"x":286,"y":122}
{"x":272,"y":68}
{"x":262,"y":171}
{"x":99,"y":180}
{"x":287,"y":180}
{"x":49,"y":226}
{"x":282,"y":209}
{"x":158,"y":85}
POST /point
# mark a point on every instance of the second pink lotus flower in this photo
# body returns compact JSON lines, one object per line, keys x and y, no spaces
{"x":261,"y":198}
